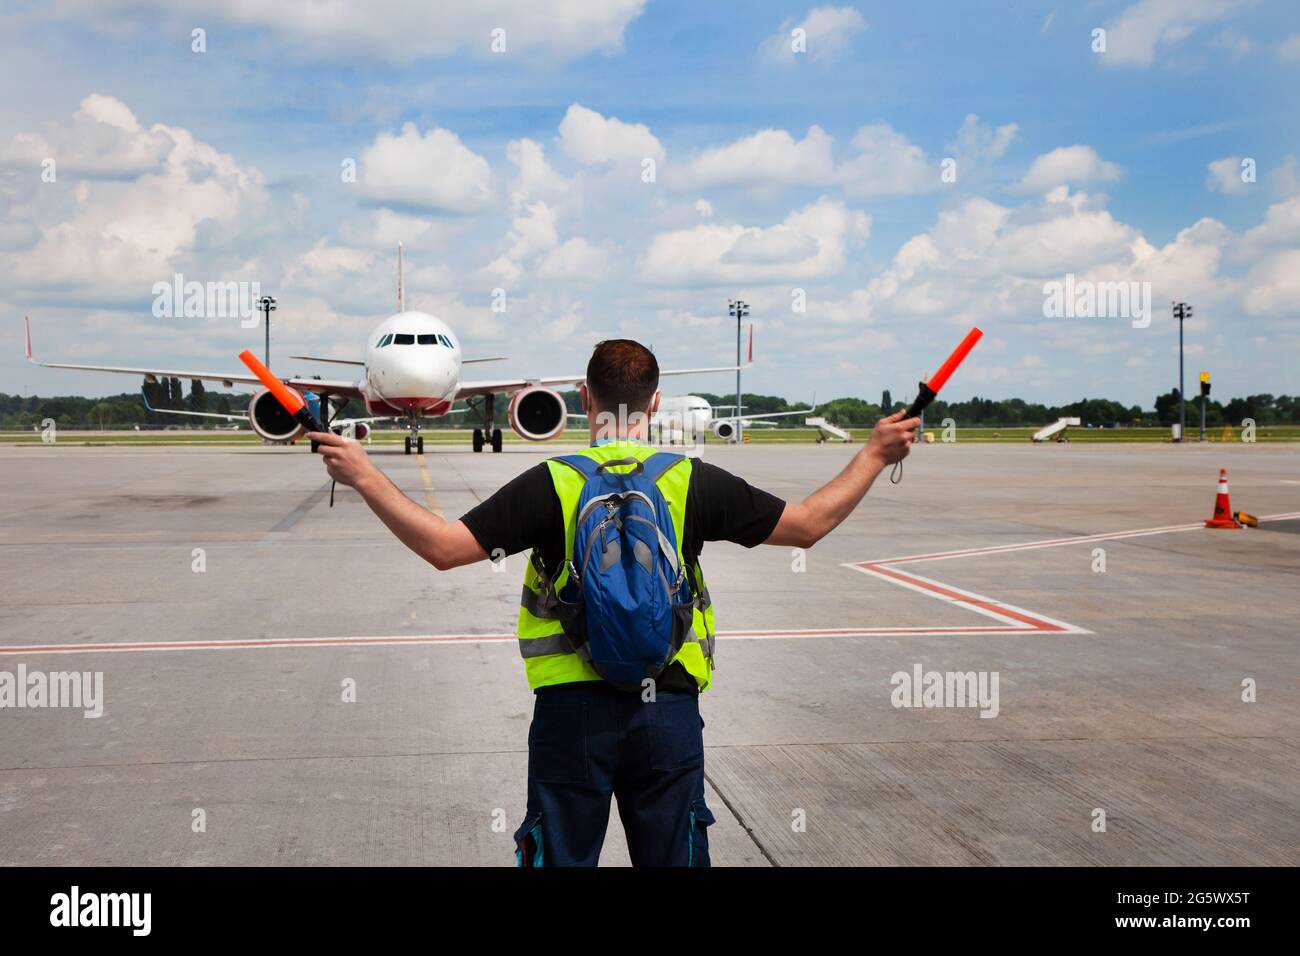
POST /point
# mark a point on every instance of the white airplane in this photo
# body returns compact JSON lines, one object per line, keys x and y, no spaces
{"x":411,"y":370}
{"x":693,"y":416}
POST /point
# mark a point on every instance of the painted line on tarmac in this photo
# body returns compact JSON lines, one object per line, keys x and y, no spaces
{"x":1013,"y":621}
{"x":1020,"y":620}
{"x":425,"y":640}
{"x":1056,"y":542}
{"x":428,"y":487}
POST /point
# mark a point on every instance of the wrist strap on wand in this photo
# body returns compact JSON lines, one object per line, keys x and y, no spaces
{"x":924,"y":396}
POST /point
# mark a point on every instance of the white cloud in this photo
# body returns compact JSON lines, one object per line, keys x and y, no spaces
{"x":119,"y":235}
{"x":977,"y":142}
{"x":882,"y":162}
{"x":826,"y":35}
{"x":1133,"y":37}
{"x":1225,"y":176}
{"x":1232,"y":43}
{"x":532,"y":233}
{"x":433,"y":171}
{"x":389,"y":30}
{"x":809,"y":243}
{"x":1068,"y":165}
{"x":1273,"y":286}
{"x":1281,"y":226}
{"x":887,"y":164}
{"x":575,"y":259}
{"x":535,"y":179}
{"x":104,"y":140}
{"x":591,"y":139}
{"x":768,"y":157}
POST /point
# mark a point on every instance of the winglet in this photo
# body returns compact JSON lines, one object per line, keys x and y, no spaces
{"x":145,"y":396}
{"x":28,"y":323}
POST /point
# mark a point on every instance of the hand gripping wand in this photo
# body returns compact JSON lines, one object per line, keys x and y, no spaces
{"x":926,"y":391}
{"x":291,"y":401}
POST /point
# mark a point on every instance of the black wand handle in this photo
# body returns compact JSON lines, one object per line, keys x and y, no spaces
{"x":924,"y":396}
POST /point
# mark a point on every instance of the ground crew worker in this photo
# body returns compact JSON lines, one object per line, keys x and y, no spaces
{"x":590,"y":740}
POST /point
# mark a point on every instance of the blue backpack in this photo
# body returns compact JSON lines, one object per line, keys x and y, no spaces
{"x":627,"y":605}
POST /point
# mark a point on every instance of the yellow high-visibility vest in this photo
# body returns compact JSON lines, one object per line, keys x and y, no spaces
{"x":549,"y":657}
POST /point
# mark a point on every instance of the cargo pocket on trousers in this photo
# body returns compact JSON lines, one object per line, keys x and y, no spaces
{"x":697,"y":853}
{"x":676,"y":737}
{"x":557,"y":740}
{"x":529,"y":845}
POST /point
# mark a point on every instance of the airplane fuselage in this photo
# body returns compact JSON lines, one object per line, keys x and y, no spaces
{"x":413,"y":363}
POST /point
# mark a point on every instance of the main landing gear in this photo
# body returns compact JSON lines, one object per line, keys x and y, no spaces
{"x":489,"y":434}
{"x":482,"y":439}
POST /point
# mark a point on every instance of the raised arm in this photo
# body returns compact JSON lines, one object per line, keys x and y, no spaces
{"x":444,"y":544}
{"x":806,"y":522}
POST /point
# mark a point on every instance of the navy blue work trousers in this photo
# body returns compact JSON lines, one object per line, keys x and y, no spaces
{"x":590,"y":741}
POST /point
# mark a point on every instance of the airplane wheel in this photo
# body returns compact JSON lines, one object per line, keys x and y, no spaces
{"x":408,"y":444}
{"x":478,"y":439}
{"x":315,"y":446}
{"x":419,"y":444}
{"x":496,"y":439}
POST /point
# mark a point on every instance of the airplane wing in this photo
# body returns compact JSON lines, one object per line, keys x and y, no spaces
{"x":508,"y":385}
{"x":746,"y":418}
{"x":314,"y":358}
{"x":319,"y":386}
{"x":334,"y":361}
{"x":178,"y":411}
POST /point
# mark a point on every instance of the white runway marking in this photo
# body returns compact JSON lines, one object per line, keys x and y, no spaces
{"x":1012,"y":621}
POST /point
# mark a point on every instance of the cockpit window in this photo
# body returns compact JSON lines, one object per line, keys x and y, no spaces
{"x":445,"y":341}
{"x":403,"y":338}
{"x":427,"y":338}
{"x":385,"y":340}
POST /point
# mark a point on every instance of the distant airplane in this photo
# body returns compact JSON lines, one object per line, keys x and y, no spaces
{"x":411,"y":370}
{"x":693,"y":416}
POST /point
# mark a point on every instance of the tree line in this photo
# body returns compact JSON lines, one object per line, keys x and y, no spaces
{"x":127,"y":410}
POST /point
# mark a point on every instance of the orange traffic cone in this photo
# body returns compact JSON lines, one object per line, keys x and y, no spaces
{"x":1222,"y":508}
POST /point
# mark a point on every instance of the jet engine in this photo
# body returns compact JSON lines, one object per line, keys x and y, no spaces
{"x":537,"y":413}
{"x":725,"y":430}
{"x":270,"y":420}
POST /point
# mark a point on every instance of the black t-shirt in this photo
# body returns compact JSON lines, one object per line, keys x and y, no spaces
{"x":526,"y":514}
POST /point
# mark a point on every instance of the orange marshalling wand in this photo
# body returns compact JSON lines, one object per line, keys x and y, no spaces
{"x":293,"y":402}
{"x":928,"y":390}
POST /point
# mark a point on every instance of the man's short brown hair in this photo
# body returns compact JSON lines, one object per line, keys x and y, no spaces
{"x":622,"y":372}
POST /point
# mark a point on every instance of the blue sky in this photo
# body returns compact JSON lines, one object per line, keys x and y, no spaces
{"x":777,"y":175}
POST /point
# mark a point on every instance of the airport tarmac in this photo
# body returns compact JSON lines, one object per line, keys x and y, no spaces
{"x":1118,"y":691}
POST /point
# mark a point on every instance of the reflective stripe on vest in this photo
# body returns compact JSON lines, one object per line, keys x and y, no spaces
{"x":549,"y":656}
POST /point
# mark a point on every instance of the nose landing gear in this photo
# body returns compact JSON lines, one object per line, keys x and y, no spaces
{"x":415,"y":439}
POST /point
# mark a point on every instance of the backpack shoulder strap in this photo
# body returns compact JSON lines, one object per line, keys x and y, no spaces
{"x":659,"y":463}
{"x":579,"y":463}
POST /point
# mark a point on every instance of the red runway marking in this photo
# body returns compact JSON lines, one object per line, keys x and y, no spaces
{"x":1015,"y":620}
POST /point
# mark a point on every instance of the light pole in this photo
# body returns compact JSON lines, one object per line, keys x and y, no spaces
{"x":1205,"y":396}
{"x":1182,"y":311}
{"x":267,"y":304}
{"x":739,"y":309}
